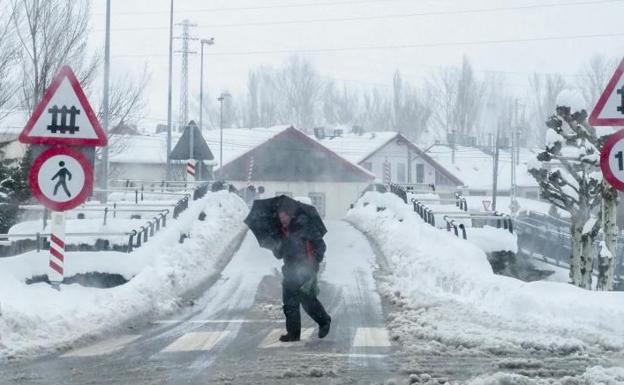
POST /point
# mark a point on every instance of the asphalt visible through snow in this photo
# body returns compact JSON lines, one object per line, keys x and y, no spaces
{"x":230,"y":335}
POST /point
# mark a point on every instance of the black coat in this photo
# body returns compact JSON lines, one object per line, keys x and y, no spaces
{"x":301,"y":250}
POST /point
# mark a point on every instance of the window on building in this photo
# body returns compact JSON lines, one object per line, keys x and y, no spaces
{"x":420,"y":173}
{"x":368,"y":166}
{"x":401,"y":175}
{"x":318,"y":201}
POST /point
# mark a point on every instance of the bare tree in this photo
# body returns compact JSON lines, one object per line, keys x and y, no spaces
{"x":8,"y":56}
{"x":544,"y":89}
{"x":339,"y":106}
{"x":594,"y":77}
{"x":445,"y":95}
{"x":411,"y":111}
{"x":301,"y":87}
{"x":52,"y":33}
{"x":376,"y":112}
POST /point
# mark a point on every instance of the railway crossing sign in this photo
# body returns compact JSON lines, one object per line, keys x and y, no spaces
{"x":609,"y":110}
{"x":61,"y":178}
{"x":64,"y":116}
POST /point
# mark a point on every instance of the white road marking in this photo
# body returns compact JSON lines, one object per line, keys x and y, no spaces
{"x":103,"y":347}
{"x":371,"y":337}
{"x":272,"y":339}
{"x":216,"y":321}
{"x":345,"y":355}
{"x":196,"y":341}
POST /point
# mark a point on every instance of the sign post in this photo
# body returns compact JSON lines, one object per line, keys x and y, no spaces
{"x":609,"y":111}
{"x":61,"y":177}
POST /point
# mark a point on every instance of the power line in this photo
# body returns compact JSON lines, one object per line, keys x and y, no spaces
{"x":391,"y":16}
{"x":263,"y":7}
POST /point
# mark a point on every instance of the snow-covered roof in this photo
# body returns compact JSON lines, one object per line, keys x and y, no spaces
{"x":152,"y":149}
{"x":475,"y":167}
{"x":356,"y":148}
{"x":143,"y":149}
{"x":238,"y":141}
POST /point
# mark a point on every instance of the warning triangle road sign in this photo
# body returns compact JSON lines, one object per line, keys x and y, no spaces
{"x":64,"y":116}
{"x":609,"y":110}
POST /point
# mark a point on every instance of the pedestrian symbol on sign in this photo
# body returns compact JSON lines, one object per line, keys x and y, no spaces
{"x":63,"y":175}
{"x":63,"y":128}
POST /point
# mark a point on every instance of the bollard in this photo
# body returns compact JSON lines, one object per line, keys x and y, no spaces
{"x":157,"y":221}
{"x":164,"y":218}
{"x":455,"y":228}
{"x":115,"y":210}
{"x":463,"y":229}
{"x":136,"y":197}
{"x":145,"y":234}
{"x":432,"y":219}
{"x":142,"y":188}
{"x":105,"y":214}
{"x":38,"y":242}
{"x":131,"y":241}
{"x":510,"y":225}
{"x":151,"y":228}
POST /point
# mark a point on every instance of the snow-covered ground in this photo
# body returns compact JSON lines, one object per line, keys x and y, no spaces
{"x":37,"y":317}
{"x":450,"y":303}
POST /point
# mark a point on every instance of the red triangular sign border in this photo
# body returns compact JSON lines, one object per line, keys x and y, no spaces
{"x":594,"y":118}
{"x":65,"y":72}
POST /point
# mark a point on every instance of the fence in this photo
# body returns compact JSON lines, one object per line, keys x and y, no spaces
{"x":13,"y":244}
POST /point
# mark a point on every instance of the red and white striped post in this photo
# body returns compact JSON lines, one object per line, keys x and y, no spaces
{"x":387,"y":172}
{"x":250,"y":172}
{"x":57,"y":248}
{"x":190,"y":170}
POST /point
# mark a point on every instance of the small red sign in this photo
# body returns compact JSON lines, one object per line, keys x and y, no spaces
{"x":64,"y":116}
{"x":612,"y":160}
{"x":486,"y":205}
{"x":61,"y":178}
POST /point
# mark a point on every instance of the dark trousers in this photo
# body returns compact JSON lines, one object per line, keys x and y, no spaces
{"x":292,"y":298}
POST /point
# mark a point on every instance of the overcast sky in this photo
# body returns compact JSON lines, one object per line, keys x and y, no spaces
{"x":361,"y":42}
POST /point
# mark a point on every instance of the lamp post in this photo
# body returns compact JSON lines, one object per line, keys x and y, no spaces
{"x":105,"y":103}
{"x":221,"y":98}
{"x":169,"y":93}
{"x":201,"y":82}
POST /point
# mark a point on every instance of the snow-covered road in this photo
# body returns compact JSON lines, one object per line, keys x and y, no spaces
{"x":230,"y":334}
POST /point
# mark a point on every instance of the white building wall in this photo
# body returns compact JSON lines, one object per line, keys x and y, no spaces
{"x":338,"y":196}
{"x":397,"y":154}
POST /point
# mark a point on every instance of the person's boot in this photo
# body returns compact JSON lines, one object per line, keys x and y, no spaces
{"x":324,"y":328}
{"x":289,"y":338}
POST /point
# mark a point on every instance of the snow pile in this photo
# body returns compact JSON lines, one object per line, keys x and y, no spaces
{"x":596,"y":375}
{"x":491,"y":239}
{"x":450,"y":283}
{"x":571,"y":98}
{"x":36,"y":317}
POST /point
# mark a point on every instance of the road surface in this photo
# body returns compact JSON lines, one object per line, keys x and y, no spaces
{"x":230,"y":335}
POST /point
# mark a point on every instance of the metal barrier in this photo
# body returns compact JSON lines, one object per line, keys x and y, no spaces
{"x":450,"y":224}
{"x":461,"y":202}
{"x":398,"y":191}
{"x":425,"y":212}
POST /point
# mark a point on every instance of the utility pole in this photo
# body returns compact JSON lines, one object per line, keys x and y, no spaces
{"x":169,"y":94}
{"x":453,"y":146}
{"x":221,"y":99}
{"x":201,"y":82}
{"x":105,"y":104}
{"x":512,"y":153}
{"x":495,"y":168}
{"x":186,"y":37}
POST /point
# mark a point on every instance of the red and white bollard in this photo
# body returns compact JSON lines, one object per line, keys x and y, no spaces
{"x":57,"y":249}
{"x":190,"y":170}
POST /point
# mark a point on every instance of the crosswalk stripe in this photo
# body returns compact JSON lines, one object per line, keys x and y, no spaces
{"x":196,"y":341}
{"x":272,"y":339}
{"x":103,"y":347}
{"x":371,"y":337}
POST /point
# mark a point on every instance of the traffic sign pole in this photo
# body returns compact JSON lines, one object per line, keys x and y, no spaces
{"x":56,"y":272}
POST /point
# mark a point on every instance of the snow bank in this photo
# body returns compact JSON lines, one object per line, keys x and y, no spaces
{"x":596,"y":375}
{"x":491,"y":239}
{"x":36,"y":317}
{"x":432,"y":266}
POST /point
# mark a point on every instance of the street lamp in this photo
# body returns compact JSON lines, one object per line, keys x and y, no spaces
{"x":201,"y":82}
{"x":221,"y":98}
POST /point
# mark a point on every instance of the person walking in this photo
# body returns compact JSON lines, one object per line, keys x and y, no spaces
{"x":302,"y":249}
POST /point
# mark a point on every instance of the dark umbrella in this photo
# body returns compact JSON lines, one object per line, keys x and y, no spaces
{"x":263,"y":222}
